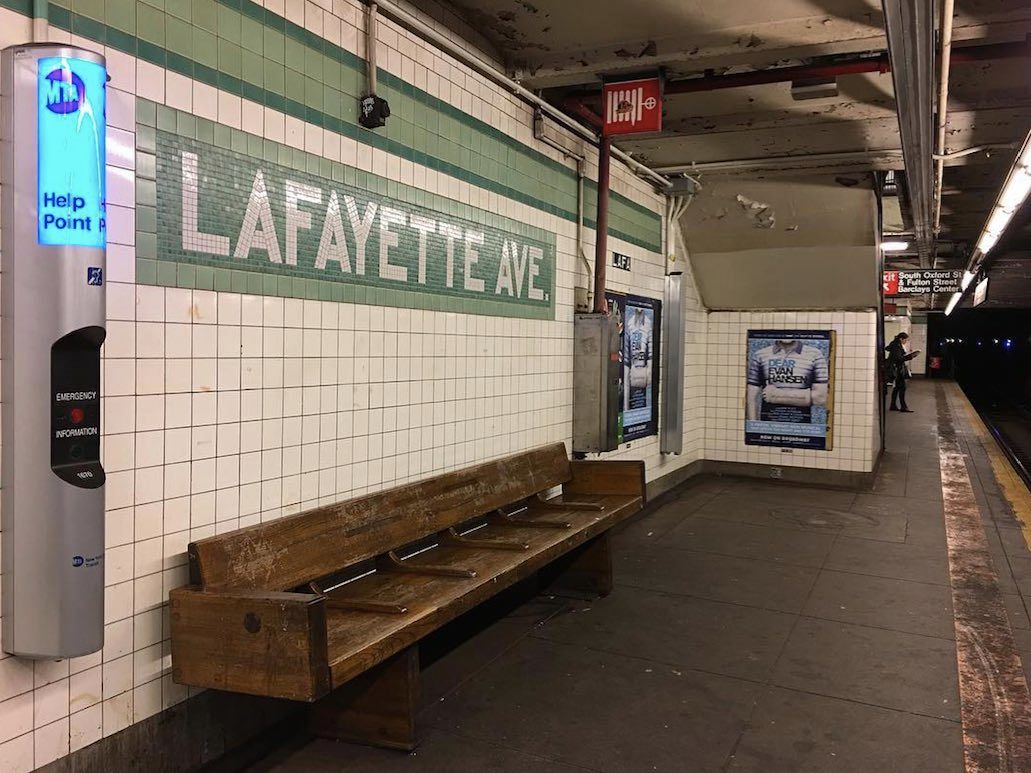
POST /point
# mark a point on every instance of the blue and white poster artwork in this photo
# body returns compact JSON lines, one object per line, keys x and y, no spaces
{"x":789,"y":400}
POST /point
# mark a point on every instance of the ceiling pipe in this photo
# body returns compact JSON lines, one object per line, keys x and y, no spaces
{"x":601,"y":233}
{"x":489,"y":70}
{"x":371,"y":36}
{"x":910,"y":28}
{"x":944,"y":55}
{"x":712,"y":82}
{"x":886,"y":156}
{"x":976,"y":149}
{"x":787,"y":163}
{"x":540,"y":133}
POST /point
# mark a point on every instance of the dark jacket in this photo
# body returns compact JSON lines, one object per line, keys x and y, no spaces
{"x":897,"y":358}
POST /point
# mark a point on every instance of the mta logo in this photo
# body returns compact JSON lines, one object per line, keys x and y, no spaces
{"x":63,"y":91}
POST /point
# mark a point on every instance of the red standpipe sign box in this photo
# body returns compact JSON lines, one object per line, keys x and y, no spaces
{"x":633,"y":107}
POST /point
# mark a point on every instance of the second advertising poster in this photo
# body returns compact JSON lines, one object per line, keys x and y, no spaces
{"x":639,"y":320}
{"x":789,"y":397}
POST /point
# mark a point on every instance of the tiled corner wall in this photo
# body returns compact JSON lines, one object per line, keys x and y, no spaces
{"x":854,"y":378}
{"x":234,"y":394}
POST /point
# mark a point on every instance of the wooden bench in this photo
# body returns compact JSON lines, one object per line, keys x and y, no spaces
{"x":328,"y":606}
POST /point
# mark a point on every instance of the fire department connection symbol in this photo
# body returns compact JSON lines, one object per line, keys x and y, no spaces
{"x":633,"y":107}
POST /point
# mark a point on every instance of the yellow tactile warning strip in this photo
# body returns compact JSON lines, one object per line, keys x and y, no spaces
{"x":1012,"y":485}
{"x":995,"y":704}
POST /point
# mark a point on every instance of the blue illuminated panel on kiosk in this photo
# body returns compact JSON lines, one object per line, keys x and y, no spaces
{"x":71,"y":157}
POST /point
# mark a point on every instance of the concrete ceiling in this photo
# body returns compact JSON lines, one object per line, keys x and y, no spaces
{"x":799,"y":242}
{"x":760,"y":131}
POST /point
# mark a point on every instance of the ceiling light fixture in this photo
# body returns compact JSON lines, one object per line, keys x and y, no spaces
{"x":894,"y":246}
{"x":953,"y":301}
{"x":1011,"y":197}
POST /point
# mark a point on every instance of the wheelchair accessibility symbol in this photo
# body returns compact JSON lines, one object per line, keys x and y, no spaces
{"x":94,"y":276}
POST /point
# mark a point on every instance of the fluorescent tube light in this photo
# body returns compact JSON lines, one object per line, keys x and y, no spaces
{"x":952,"y":302}
{"x":1013,"y":194}
{"x":986,"y":242}
{"x":894,"y":246}
{"x":964,"y":283}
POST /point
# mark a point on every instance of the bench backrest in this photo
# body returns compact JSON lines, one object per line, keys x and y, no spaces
{"x":291,"y":551}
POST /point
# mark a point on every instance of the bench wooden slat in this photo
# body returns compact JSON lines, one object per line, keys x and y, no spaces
{"x":292,"y":551}
{"x":358,"y":641}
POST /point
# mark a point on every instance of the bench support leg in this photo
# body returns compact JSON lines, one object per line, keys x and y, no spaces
{"x":588,"y":568}
{"x":377,"y":708}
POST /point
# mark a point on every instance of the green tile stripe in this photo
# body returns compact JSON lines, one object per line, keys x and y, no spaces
{"x":161,"y":262}
{"x":242,"y":48}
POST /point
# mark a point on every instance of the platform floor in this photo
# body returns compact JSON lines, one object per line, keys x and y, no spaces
{"x":754,"y":627}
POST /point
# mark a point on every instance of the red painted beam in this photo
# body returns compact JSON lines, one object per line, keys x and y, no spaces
{"x":863,"y":64}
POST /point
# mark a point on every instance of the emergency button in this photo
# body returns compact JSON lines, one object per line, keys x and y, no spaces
{"x":76,"y":415}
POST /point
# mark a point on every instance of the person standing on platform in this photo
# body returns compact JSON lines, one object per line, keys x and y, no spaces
{"x":898,"y":371}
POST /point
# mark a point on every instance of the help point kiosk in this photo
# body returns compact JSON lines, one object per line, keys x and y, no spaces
{"x":53,"y":228}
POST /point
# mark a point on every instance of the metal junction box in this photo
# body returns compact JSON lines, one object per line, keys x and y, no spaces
{"x":597,"y":370}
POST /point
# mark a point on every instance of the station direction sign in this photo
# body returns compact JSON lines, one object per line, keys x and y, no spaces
{"x":921,"y":282}
{"x":981,"y":292}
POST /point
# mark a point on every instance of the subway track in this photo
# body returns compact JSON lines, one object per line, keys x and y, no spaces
{"x":1011,"y":427}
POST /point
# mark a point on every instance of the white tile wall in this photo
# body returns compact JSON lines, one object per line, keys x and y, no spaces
{"x":854,"y":419}
{"x":223,"y":410}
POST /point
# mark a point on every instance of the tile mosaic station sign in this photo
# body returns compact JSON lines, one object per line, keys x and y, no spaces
{"x":226,"y":209}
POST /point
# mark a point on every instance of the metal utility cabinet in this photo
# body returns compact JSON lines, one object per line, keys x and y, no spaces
{"x":597,"y":370}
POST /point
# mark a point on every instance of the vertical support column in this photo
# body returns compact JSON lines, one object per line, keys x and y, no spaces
{"x":376,"y":708}
{"x":601,"y":245}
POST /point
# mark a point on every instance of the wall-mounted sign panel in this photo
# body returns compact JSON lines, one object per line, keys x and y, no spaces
{"x":789,"y":389}
{"x":619,"y":260}
{"x":224,"y":209}
{"x":981,"y":292}
{"x":632,"y":107}
{"x":53,"y":231}
{"x":921,"y":282}
{"x":639,"y":320}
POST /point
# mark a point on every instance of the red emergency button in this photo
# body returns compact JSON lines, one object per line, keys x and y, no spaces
{"x":76,"y":415}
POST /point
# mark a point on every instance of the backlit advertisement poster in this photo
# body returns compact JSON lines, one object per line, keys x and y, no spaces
{"x":639,"y":322}
{"x":789,"y":399}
